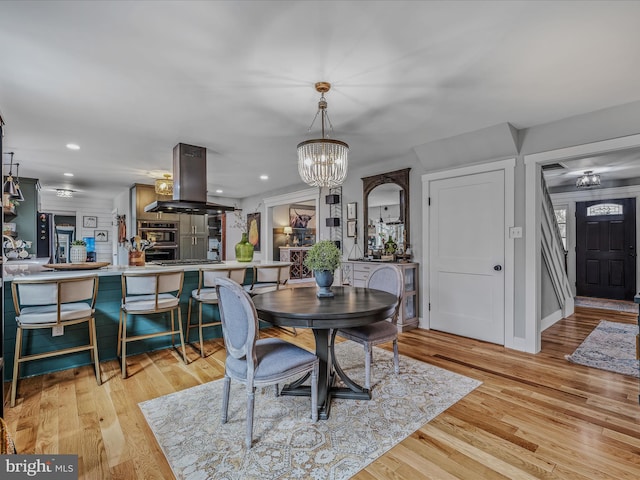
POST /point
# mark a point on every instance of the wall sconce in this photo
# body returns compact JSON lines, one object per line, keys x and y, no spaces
{"x":287,"y":231}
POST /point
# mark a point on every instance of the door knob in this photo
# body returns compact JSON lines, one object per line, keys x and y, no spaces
{"x":497,"y":268}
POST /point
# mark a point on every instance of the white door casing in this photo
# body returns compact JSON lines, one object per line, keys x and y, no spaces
{"x":465,"y":235}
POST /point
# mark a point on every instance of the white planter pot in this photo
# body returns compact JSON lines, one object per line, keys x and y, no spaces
{"x":78,"y":254}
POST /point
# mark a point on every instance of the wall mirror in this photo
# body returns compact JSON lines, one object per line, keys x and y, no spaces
{"x":386,"y":209}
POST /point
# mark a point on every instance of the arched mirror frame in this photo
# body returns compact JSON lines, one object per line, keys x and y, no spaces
{"x":398,"y":177}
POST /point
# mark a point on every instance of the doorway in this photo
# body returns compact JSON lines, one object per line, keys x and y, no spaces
{"x":606,"y":248}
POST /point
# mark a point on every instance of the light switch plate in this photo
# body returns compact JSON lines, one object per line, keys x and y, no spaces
{"x":515,"y":232}
{"x":57,"y":331}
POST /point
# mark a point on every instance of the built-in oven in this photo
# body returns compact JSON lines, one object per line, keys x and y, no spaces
{"x":164,"y":236}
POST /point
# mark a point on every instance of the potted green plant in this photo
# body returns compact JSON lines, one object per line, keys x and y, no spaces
{"x":78,"y":251}
{"x":323,"y":258}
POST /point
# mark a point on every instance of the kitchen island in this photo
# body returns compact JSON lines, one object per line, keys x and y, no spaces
{"x":107,"y":315}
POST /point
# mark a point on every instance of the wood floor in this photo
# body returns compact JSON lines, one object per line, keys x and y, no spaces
{"x":535,"y":416}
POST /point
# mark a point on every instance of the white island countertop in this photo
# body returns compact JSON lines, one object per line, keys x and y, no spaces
{"x":17,"y":269}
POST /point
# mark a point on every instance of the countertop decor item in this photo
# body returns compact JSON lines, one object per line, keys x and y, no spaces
{"x":323,"y":258}
{"x":244,"y":249}
{"x":322,"y":162}
{"x":76,"y":266}
{"x":78,"y":251}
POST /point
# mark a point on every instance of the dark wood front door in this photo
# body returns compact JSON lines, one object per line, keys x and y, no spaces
{"x":606,"y":248}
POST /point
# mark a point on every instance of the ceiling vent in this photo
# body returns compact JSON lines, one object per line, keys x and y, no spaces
{"x":553,"y":166}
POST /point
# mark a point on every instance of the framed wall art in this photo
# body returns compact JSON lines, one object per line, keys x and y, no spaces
{"x":253,"y":230}
{"x":351,"y":228}
{"x":90,"y":222}
{"x":352,"y":211}
{"x":101,"y":235}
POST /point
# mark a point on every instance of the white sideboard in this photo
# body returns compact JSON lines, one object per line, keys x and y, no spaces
{"x":357,"y":273}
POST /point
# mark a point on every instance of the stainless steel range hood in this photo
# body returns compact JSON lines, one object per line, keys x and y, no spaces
{"x":189,"y":184}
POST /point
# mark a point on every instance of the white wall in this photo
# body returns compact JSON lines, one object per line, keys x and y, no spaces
{"x":83,"y":207}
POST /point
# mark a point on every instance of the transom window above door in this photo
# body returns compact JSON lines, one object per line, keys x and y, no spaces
{"x":604,"y":209}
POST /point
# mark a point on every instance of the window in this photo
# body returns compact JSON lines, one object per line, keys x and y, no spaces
{"x":604,"y":209}
{"x":561,"y":218}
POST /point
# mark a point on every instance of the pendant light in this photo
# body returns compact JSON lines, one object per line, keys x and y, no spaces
{"x":323,"y":162}
{"x":9,"y":187}
{"x":588,"y":180}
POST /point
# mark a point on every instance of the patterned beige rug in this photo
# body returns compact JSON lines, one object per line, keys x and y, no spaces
{"x":287,"y":445}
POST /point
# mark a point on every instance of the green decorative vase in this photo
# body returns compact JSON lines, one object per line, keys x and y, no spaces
{"x":244,"y":249}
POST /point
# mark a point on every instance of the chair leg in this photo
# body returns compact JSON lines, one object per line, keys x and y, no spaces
{"x":94,"y":349}
{"x":314,"y":394}
{"x":225,"y":399}
{"x":368,"y":356}
{"x":123,"y":357}
{"x":16,"y":366}
{"x":200,"y":329}
{"x":118,"y":347}
{"x":184,"y":350}
{"x":251,"y":393}
{"x":186,"y":334}
{"x":396,"y":357}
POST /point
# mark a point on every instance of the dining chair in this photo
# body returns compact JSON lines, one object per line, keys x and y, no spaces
{"x":149,"y":293}
{"x":388,"y":279}
{"x":206,"y":294}
{"x":54,"y":303}
{"x":269,"y":278}
{"x":257,"y":362}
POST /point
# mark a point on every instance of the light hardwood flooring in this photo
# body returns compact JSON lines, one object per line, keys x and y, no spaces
{"x":534,"y":416}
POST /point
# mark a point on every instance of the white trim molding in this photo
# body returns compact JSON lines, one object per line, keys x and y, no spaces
{"x":533,"y":166}
{"x":285,"y":199}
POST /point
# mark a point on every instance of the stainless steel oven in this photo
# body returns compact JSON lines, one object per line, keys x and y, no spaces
{"x":164,"y":235}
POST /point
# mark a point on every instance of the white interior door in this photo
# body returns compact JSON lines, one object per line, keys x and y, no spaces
{"x":466,"y":256}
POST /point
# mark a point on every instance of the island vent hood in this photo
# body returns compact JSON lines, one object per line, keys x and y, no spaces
{"x":189,"y":184}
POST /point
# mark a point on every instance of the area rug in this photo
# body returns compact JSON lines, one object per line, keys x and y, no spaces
{"x":610,"y":346}
{"x":286,"y":444}
{"x":603,"y":303}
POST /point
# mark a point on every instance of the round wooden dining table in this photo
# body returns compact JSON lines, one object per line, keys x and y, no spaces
{"x":349,"y":307}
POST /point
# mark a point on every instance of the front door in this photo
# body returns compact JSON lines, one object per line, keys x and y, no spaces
{"x":466,"y":256}
{"x":606,"y":248}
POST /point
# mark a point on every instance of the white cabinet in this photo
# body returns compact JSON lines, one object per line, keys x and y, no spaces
{"x":357,"y":274}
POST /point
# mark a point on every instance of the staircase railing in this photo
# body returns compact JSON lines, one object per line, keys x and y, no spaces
{"x":553,"y":252}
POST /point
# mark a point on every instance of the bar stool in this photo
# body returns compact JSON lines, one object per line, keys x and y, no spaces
{"x":269,"y":278}
{"x":54,"y":303}
{"x":206,"y":294}
{"x":148,"y":293}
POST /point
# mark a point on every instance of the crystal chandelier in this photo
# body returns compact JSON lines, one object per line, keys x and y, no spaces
{"x":588,"y":180}
{"x":323,"y":162}
{"x":164,"y":186}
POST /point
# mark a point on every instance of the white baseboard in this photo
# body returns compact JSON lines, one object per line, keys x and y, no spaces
{"x":549,"y":320}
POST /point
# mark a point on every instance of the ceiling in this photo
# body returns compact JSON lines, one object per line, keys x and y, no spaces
{"x":129,"y":80}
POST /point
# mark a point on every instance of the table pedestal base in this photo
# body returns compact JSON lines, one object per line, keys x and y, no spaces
{"x":329,"y":370}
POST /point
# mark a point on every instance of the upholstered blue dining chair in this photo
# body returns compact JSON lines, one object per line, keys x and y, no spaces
{"x":257,"y":362}
{"x":388,"y":279}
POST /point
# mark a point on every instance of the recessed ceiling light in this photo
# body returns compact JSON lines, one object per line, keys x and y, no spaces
{"x":264,"y":177}
{"x":218,"y":191}
{"x":68,"y":174}
{"x":73,"y":146}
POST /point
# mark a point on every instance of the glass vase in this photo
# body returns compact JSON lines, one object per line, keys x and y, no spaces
{"x":244,"y":249}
